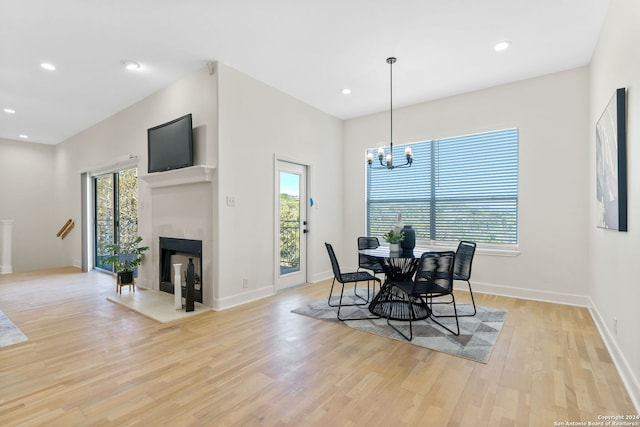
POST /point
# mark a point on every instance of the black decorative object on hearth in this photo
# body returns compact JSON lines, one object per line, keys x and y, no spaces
{"x":191,"y":280}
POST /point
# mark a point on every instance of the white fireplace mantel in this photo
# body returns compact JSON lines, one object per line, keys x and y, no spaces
{"x":189,"y":175}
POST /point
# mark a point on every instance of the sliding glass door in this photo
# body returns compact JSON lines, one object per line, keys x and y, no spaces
{"x":115,"y":210}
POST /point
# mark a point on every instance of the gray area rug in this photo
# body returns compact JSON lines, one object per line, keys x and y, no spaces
{"x":9,"y":333}
{"x":478,"y":334}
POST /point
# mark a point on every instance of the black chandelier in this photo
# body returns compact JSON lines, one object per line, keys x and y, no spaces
{"x":386,"y":160}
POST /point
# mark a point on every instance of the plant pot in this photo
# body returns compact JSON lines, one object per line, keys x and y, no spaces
{"x":125,"y":277}
{"x":394,"y":247}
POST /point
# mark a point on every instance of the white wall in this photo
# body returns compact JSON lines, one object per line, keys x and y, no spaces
{"x":241,"y":126}
{"x":551,"y":113}
{"x":613,"y":260}
{"x":256,"y":123}
{"x":126,"y":133}
{"x":27,"y":191}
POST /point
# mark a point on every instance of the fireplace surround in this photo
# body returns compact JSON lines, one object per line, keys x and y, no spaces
{"x":173,"y":251}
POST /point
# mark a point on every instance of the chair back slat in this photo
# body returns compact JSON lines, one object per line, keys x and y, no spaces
{"x":334,"y":261}
{"x":368,"y":243}
{"x":463,"y":260}
{"x":435,"y":271}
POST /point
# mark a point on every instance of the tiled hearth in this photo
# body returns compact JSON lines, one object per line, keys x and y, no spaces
{"x":156,"y":305}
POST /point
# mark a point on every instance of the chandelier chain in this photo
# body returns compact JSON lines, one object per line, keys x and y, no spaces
{"x":386,"y":161}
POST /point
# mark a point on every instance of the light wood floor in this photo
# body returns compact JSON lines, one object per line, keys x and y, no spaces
{"x":92,"y":362}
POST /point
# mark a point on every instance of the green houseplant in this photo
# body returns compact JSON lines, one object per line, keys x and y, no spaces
{"x":124,"y":257}
{"x":394,"y":237}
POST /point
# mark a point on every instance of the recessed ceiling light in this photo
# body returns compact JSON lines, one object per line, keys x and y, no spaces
{"x":346,"y":91}
{"x":47,"y":66}
{"x":9,"y":110}
{"x":23,"y":136}
{"x":503,"y":45}
{"x":130,"y":65}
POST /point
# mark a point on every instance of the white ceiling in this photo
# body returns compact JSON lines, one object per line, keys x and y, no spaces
{"x":310,"y":49}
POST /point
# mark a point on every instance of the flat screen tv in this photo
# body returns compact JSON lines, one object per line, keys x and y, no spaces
{"x":170,"y":145}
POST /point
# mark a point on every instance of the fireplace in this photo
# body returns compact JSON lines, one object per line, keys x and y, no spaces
{"x":180,"y":251}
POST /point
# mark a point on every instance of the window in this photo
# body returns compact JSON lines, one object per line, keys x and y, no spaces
{"x":462,"y":188}
{"x":116,"y":211}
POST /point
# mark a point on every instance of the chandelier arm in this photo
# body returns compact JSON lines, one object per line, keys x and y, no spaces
{"x":406,"y":164}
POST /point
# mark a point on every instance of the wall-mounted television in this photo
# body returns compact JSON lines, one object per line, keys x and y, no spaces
{"x":170,"y":145}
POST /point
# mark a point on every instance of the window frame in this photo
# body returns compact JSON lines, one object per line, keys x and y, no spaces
{"x":503,"y":197}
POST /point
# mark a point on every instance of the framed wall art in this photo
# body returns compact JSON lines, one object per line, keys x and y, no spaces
{"x":611,"y":164}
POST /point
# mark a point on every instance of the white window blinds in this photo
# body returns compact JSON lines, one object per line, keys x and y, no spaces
{"x":462,"y":188}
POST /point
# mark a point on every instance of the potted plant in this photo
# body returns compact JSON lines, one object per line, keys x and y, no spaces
{"x":124,"y":257}
{"x":394,"y":237}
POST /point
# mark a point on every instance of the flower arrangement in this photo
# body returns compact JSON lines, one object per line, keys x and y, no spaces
{"x":394,"y":236}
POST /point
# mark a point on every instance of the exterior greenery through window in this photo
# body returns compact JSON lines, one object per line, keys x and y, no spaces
{"x":461,"y":188}
{"x":289,"y":233}
{"x":116,"y":212}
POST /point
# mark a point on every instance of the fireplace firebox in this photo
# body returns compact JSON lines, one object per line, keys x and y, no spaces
{"x":181,"y":251}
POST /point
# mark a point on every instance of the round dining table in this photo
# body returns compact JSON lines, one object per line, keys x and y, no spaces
{"x":398,"y":267}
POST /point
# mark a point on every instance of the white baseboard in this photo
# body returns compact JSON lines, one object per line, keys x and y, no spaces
{"x":256,"y":294}
{"x":524,"y":293}
{"x":323,"y":275}
{"x":631,"y":383}
{"x":243,"y":298}
{"x":502,"y":290}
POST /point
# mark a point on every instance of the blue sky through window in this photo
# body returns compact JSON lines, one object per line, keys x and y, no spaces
{"x":289,"y":184}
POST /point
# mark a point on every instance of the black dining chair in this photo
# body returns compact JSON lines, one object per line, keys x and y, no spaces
{"x":433,"y":279}
{"x":462,"y":268}
{"x":367,"y":262}
{"x":462,"y":271}
{"x":344,"y":278}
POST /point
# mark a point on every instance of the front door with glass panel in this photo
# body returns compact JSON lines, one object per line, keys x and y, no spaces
{"x":116,"y":211}
{"x":291,"y":228}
